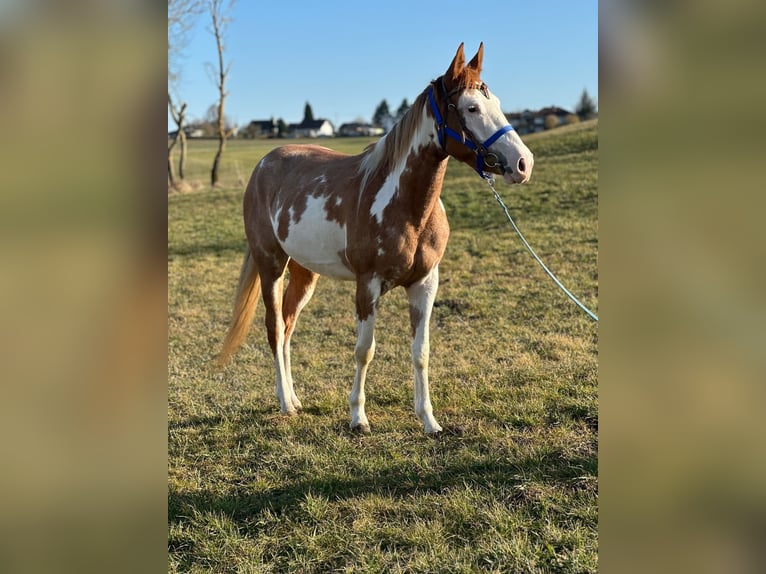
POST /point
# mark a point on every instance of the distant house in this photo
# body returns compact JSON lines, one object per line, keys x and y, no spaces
{"x":190,"y":131}
{"x":312,"y":129}
{"x":261,"y":129}
{"x":356,"y":129}
{"x":530,"y":121}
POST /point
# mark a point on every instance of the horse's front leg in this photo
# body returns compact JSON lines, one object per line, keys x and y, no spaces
{"x":421,"y":297}
{"x":367,"y":294}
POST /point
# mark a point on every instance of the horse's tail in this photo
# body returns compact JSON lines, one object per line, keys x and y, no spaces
{"x":245,"y":304}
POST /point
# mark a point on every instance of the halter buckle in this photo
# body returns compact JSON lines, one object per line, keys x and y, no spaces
{"x":495,"y":162}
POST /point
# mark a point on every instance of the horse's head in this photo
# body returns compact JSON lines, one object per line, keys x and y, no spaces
{"x":471,"y":125}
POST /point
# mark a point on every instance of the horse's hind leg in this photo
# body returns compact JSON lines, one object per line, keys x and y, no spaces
{"x":272,"y":271}
{"x":299,"y":290}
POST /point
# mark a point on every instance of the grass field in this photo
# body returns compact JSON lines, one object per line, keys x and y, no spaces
{"x":510,"y":486}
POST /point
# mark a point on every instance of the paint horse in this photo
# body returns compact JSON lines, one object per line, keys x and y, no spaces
{"x":374,"y":218}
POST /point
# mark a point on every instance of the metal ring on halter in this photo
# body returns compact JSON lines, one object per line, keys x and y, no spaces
{"x":496,"y":160}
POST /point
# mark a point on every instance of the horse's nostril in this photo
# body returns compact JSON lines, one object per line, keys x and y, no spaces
{"x":522,"y":165}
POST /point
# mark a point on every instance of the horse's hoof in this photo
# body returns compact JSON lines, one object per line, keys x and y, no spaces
{"x":290,"y":412}
{"x":435,"y":430}
{"x":361,"y":429}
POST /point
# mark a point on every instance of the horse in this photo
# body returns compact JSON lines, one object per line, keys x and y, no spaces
{"x":375,"y":218}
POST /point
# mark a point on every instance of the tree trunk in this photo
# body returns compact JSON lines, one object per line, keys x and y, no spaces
{"x":217,"y":162}
{"x":219,"y":128}
{"x":171,"y":170}
{"x":182,"y":158}
{"x":219,"y":24}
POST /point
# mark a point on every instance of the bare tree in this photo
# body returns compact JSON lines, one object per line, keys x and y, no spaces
{"x":178,"y":115}
{"x":181,"y":14}
{"x":219,"y":14}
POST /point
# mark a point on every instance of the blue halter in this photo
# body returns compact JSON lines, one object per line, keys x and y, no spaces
{"x":481,"y":150}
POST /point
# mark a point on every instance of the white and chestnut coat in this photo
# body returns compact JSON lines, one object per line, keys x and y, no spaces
{"x":375,"y":218}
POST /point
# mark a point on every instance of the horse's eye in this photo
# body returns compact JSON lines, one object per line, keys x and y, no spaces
{"x":472,"y":109}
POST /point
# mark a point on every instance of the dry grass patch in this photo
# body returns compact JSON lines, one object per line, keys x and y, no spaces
{"x":510,"y":486}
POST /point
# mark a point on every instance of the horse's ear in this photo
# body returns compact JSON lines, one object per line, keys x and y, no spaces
{"x":475,"y":62}
{"x":457,"y":65}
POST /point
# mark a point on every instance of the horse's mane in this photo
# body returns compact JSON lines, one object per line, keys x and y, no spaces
{"x":391,"y":149}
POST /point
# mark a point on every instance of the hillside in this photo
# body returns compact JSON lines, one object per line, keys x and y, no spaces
{"x":512,"y":483}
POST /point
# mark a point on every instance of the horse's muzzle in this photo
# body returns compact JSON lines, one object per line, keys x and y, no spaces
{"x":520,"y":172}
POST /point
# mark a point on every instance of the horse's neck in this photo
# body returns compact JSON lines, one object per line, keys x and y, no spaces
{"x":421,"y":172}
{"x":420,"y":189}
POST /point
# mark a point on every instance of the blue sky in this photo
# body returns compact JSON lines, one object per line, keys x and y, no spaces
{"x":345,"y":56}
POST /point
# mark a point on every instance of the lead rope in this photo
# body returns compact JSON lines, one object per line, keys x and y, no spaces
{"x":491,"y":181}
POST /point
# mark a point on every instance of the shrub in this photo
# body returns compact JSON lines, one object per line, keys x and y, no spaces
{"x":551,"y":121}
{"x":572,"y":119}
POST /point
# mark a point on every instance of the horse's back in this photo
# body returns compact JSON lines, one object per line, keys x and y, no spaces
{"x":303,"y":158}
{"x":303,"y":196}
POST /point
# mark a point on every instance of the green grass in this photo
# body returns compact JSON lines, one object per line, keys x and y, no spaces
{"x":510,"y":486}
